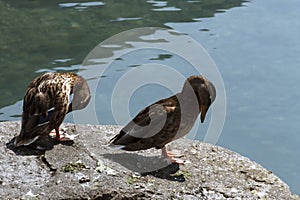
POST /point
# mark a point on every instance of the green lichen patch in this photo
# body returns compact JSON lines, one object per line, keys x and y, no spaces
{"x":132,"y":180}
{"x":71,"y":167}
{"x":185,"y":174}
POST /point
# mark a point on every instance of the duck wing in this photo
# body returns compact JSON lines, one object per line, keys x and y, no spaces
{"x":37,"y":113}
{"x":142,"y":131}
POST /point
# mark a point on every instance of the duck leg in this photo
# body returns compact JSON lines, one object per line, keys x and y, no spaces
{"x":58,"y":136}
{"x":170,"y":156}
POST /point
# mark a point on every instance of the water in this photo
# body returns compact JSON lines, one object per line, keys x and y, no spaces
{"x":255,"y":46}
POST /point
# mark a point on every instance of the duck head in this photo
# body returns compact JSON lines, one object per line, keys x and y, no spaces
{"x":81,"y":94}
{"x":204,"y":90}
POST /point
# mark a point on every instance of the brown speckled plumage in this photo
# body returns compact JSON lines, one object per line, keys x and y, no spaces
{"x":168,"y":119}
{"x":47,"y":101}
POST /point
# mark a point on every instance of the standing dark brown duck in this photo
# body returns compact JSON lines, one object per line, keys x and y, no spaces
{"x":46,"y":103}
{"x":168,"y":119}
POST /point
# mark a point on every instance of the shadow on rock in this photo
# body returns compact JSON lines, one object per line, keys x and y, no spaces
{"x":154,"y":165}
{"x":37,"y":148}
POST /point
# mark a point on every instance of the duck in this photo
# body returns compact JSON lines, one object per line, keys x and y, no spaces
{"x":47,"y":101}
{"x":168,"y":119}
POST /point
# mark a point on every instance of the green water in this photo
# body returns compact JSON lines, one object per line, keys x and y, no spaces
{"x":35,"y":33}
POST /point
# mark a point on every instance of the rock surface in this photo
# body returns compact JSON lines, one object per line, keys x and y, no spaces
{"x":89,"y":169}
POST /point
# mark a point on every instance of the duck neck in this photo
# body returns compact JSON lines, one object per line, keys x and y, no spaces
{"x":189,"y":102}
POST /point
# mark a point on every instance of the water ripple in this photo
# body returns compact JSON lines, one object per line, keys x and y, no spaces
{"x":81,"y":5}
{"x":172,"y":8}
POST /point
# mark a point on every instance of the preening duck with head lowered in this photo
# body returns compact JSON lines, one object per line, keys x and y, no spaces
{"x":47,"y":101}
{"x":168,"y":119}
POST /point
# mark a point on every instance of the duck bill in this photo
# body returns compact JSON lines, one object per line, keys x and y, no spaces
{"x":203,"y":113}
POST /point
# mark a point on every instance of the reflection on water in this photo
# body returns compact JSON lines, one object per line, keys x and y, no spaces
{"x":167,"y":9}
{"x":35,"y":33}
{"x":81,"y":5}
{"x":248,"y":45}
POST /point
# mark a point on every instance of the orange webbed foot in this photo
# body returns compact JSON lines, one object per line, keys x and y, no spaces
{"x":62,"y":136}
{"x":172,"y":157}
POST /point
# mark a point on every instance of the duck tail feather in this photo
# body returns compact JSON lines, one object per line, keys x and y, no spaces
{"x":116,"y":147}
